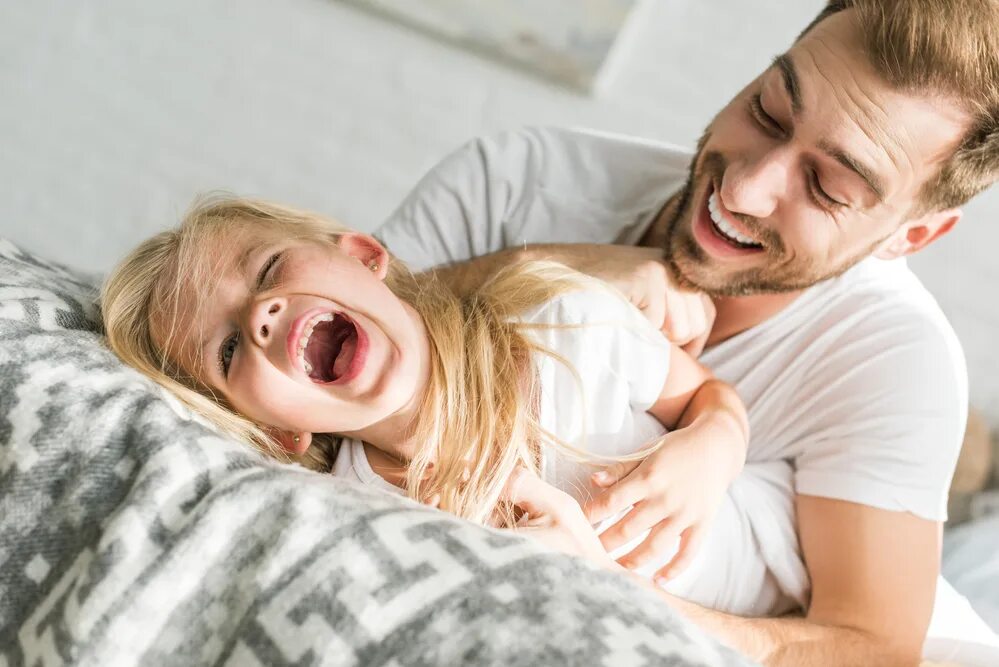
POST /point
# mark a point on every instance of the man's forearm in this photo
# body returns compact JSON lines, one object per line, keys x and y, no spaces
{"x":466,"y":277}
{"x":793,"y":641}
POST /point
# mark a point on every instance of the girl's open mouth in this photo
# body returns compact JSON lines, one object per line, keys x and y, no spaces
{"x":331,"y":348}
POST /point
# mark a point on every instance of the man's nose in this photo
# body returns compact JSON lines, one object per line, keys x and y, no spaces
{"x":262,"y":319}
{"x":754,"y":187}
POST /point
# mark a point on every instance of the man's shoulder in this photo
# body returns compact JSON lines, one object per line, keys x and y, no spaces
{"x":878,"y":324}
{"x":875,"y":331}
{"x":534,"y":185}
{"x":882,"y":294}
{"x":584,"y":163}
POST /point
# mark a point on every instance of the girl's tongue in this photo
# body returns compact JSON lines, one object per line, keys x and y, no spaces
{"x":331,"y":348}
{"x":342,"y":363}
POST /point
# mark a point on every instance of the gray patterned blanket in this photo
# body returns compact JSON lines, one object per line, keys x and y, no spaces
{"x":132,"y":534}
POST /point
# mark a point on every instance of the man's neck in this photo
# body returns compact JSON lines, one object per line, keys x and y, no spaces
{"x":734,"y":314}
{"x":737,"y":314}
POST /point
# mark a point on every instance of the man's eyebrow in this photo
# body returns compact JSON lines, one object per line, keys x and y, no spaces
{"x":873,"y":181}
{"x":790,"y":75}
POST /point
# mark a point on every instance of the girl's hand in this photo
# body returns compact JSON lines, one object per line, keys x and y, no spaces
{"x":675,"y":492}
{"x":554,"y":518}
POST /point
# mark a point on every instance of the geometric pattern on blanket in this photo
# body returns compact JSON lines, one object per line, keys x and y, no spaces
{"x":132,"y":534}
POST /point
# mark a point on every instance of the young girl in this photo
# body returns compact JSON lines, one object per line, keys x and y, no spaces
{"x":311,"y":343}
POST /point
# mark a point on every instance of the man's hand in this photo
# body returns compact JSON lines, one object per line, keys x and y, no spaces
{"x":684,"y":317}
{"x":873,"y":576}
{"x":554,"y":518}
{"x":638,"y":273}
{"x":675,"y":492}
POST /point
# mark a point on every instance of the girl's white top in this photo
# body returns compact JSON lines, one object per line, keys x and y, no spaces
{"x":597,"y":402}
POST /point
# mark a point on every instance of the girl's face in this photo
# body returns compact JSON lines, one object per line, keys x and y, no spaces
{"x":301,"y":337}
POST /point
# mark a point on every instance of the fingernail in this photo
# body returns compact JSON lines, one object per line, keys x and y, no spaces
{"x":601,"y":477}
{"x":661,"y":581}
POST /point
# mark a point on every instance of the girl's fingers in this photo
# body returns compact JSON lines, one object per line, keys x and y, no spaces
{"x":535,"y":497}
{"x":690,"y":543}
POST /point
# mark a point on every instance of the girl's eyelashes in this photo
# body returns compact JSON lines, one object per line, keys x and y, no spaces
{"x":226,"y":350}
{"x":265,"y":269}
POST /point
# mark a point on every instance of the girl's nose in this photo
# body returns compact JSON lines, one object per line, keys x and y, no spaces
{"x":263,"y":319}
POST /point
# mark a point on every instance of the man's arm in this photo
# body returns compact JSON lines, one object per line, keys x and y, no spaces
{"x":637,"y":272}
{"x":873,"y":578}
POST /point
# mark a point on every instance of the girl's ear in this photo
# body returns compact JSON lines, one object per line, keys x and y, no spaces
{"x":367,"y":250}
{"x":295,"y":443}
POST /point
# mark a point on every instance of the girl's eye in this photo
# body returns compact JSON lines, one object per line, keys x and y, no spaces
{"x":226,"y":350}
{"x":763,"y":118}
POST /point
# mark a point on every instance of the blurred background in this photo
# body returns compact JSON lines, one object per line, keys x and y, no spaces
{"x":115,"y":114}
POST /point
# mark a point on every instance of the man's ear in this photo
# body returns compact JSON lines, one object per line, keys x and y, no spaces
{"x":367,"y":250}
{"x":294,"y":443}
{"x":915,"y":235}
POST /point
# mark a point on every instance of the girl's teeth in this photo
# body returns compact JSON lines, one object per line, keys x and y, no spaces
{"x":303,"y":341}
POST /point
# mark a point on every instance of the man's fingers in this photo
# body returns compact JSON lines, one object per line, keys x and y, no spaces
{"x":690,"y":543}
{"x":662,"y":539}
{"x":614,"y":473}
{"x":676,"y":326}
{"x":630,"y":526}
{"x":620,"y":496}
{"x":696,"y":345}
{"x":653,"y":307}
{"x":706,"y":313}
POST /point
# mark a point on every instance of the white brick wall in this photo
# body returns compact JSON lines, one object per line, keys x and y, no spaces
{"x":113,"y":114}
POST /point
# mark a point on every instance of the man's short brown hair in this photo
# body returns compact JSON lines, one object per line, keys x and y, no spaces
{"x":945,"y":47}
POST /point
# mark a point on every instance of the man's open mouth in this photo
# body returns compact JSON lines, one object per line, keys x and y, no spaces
{"x":327,"y":346}
{"x":723,"y":228}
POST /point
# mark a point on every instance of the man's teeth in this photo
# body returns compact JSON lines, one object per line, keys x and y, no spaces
{"x":723,"y":225}
{"x":303,"y":340}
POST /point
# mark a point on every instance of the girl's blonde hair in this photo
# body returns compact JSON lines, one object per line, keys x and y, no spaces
{"x":479,"y":418}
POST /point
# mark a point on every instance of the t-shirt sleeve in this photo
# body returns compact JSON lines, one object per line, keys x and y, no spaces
{"x":620,"y":359}
{"x":891,"y":402}
{"x":534,"y":185}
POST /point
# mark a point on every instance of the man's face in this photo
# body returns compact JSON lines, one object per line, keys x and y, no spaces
{"x":812,"y":167}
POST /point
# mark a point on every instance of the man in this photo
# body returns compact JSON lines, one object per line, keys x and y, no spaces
{"x":855,"y":148}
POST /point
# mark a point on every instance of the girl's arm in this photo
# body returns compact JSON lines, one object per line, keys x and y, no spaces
{"x":676,"y":491}
{"x":691,"y":394}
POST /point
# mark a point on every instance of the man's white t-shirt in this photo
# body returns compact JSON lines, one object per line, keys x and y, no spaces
{"x":857,"y":391}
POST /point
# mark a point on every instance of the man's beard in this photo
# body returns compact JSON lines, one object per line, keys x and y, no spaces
{"x":780,"y":271}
